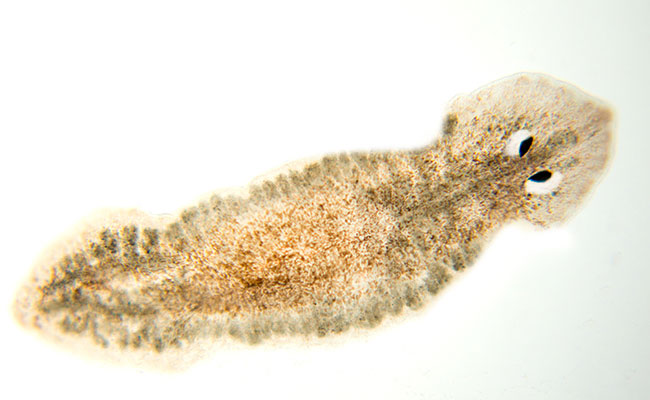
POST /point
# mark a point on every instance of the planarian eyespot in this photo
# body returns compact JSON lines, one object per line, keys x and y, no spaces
{"x":525,"y":145}
{"x":543,"y":182}
{"x":541,"y":176}
{"x":519,"y":143}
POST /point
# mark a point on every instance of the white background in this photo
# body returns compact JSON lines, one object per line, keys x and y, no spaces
{"x":151,"y":104}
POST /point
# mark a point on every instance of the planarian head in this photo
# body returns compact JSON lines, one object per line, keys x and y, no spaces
{"x":533,"y":145}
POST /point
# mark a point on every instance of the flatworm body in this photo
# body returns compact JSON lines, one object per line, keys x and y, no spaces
{"x":343,"y":242}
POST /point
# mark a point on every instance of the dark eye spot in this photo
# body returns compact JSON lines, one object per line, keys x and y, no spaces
{"x":525,"y":145}
{"x":541,"y":176}
{"x":518,"y":143}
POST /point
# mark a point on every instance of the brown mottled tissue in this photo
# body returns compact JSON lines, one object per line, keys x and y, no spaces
{"x":341,"y":243}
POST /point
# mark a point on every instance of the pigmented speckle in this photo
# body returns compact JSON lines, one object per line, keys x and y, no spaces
{"x":344,"y":242}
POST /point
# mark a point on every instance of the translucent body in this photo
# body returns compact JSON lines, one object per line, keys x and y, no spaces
{"x":344,"y":242}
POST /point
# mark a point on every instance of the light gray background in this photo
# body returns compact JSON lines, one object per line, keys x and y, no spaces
{"x":151,"y":104}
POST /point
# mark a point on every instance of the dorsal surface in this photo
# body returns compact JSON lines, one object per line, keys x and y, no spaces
{"x":345,"y":242}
